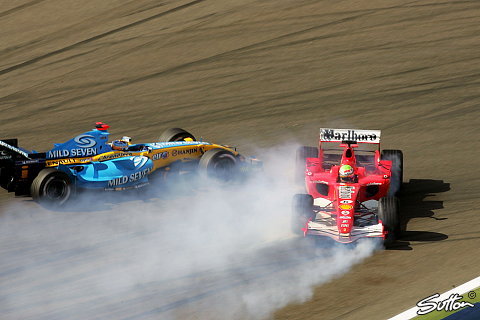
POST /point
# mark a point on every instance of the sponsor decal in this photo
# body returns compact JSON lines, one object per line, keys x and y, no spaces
{"x":114,"y":156}
{"x":343,"y":225}
{"x":346,"y":191}
{"x":5,"y":155}
{"x":88,"y":152}
{"x":346,"y":221}
{"x":346,"y":201}
{"x":320,"y":181}
{"x":137,"y":186}
{"x":346,"y":217}
{"x":131,"y":178}
{"x":176,"y":144}
{"x":339,"y":135}
{"x":6,"y":145}
{"x":85,"y":141}
{"x":30,"y":161}
{"x":374,"y":184}
{"x":56,"y":162}
{"x":160,"y":155}
{"x":345,"y":213}
{"x":451,"y":303}
{"x":60,"y":161}
{"x":139,"y":161}
{"x":85,"y":144}
{"x":184,"y":152}
{"x":345,"y":207}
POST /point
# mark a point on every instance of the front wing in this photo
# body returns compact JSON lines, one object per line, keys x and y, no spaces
{"x":316,"y":228}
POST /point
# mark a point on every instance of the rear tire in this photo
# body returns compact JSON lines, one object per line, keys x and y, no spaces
{"x":51,"y":188}
{"x":396,"y":180}
{"x":302,"y":211}
{"x":175,"y":134}
{"x":388,"y":212}
{"x":303,"y":153}
{"x":219,"y":164}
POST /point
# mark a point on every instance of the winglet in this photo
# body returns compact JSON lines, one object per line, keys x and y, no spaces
{"x":101,"y":126}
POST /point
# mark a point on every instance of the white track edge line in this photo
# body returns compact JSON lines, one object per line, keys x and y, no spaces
{"x":412,"y":312}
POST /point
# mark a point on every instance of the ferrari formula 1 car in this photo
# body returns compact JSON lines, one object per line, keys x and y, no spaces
{"x":342,"y":177}
{"x":88,"y":161}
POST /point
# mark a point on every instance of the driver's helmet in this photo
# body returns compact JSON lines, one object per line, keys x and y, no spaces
{"x":119,"y":145}
{"x":346,"y":173}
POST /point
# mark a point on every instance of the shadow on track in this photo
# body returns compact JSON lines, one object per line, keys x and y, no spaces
{"x":414,"y":205}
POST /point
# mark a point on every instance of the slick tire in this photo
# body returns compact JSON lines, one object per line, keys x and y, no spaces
{"x":396,"y":180}
{"x":302,"y":211}
{"x":302,"y":154}
{"x":388,"y":212}
{"x":175,"y":134}
{"x":52,"y":188}
{"x":219,"y":164}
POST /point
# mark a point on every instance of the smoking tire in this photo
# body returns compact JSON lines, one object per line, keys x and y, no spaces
{"x":388,"y":212}
{"x":176,"y":134}
{"x":302,"y":211}
{"x":302,"y":154}
{"x":396,"y":156}
{"x":51,"y":188}
{"x":219,"y":164}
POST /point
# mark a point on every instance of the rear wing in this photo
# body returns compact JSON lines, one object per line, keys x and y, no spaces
{"x":9,"y":150}
{"x":352,"y":136}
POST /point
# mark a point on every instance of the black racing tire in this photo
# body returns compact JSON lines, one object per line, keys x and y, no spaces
{"x":302,"y":211}
{"x":396,"y":180}
{"x":175,"y":134}
{"x":52,"y":188}
{"x":302,"y":154}
{"x":388,"y":212}
{"x":219,"y":164}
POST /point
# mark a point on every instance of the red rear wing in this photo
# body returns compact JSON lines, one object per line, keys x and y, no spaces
{"x":352,"y":136}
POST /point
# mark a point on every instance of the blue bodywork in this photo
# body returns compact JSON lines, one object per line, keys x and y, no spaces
{"x":88,"y":144}
{"x":124,"y":170}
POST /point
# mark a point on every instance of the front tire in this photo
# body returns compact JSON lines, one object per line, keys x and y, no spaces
{"x":388,"y":212}
{"x":302,"y":211}
{"x":176,"y":134}
{"x":396,"y":179}
{"x":52,"y":188}
{"x":219,"y":164}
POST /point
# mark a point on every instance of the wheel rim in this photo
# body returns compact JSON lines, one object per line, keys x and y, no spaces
{"x":223,"y":168}
{"x":56,"y":189}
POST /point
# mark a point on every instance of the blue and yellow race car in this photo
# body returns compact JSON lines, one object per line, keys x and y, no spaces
{"x":89,"y":161}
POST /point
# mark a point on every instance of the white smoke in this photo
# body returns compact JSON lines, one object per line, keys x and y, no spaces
{"x":202,"y":252}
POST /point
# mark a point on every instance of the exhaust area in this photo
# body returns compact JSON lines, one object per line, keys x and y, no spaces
{"x":195,"y":250}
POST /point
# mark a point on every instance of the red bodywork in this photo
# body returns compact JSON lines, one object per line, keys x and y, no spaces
{"x":371,"y":182}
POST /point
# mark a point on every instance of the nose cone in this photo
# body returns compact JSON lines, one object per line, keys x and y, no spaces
{"x":345,"y":219}
{"x":347,"y":194}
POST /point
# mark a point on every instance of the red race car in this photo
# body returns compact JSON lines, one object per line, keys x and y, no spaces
{"x":351,"y":187}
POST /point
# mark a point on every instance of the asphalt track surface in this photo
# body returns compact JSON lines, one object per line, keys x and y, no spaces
{"x":254,"y":74}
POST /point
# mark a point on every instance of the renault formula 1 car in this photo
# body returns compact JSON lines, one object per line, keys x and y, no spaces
{"x":338,"y":204}
{"x":88,"y":161}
